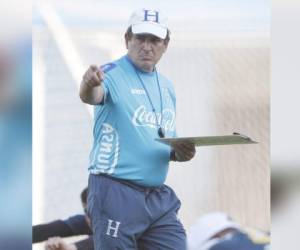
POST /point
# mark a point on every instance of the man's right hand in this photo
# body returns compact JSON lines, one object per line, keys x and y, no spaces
{"x":93,"y":76}
{"x":91,"y":90}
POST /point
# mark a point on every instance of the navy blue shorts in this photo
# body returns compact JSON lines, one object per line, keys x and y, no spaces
{"x":126,"y":216}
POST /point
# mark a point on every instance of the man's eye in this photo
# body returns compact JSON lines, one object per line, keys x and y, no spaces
{"x":155,"y":40}
{"x":151,"y":39}
{"x":140,"y":38}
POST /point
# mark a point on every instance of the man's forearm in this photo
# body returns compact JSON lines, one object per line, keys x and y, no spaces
{"x":44,"y":231}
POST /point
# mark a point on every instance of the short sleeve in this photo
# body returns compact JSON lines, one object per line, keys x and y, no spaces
{"x":109,"y":84}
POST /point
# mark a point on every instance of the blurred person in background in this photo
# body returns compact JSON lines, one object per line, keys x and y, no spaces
{"x":217,"y":231}
{"x":53,"y":232}
{"x":128,"y":203}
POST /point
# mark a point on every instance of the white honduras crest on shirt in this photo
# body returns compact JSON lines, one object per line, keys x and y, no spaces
{"x":167,"y":97}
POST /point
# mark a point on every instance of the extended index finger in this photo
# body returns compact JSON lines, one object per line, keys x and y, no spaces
{"x":94,"y":67}
{"x":99,"y":72}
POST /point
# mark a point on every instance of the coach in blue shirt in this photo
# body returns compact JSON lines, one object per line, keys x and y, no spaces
{"x":128,"y":203}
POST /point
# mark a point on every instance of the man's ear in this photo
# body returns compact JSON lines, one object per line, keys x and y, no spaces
{"x":166,"y":43}
{"x":126,"y":40}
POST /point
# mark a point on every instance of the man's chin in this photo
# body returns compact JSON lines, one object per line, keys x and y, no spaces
{"x":147,"y":66}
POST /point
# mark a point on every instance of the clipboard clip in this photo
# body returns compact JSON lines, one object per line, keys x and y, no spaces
{"x":241,"y":135}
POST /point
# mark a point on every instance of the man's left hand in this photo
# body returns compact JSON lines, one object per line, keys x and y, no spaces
{"x":184,"y":151}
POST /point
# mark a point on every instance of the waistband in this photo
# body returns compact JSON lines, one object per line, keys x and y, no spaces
{"x":133,"y":185}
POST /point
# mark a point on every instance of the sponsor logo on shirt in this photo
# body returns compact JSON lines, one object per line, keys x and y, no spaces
{"x":145,"y":118}
{"x":107,"y":153}
{"x":138,"y":91}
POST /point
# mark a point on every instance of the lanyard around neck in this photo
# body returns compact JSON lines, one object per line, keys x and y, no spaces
{"x":159,"y":125}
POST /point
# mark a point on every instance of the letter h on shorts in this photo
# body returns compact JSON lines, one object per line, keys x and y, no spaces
{"x":113,"y":228}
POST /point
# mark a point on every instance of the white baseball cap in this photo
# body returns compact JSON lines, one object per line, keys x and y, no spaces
{"x":208,"y":226}
{"x":149,"y":21}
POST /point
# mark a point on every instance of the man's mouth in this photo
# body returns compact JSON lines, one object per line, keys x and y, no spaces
{"x":146,"y":57}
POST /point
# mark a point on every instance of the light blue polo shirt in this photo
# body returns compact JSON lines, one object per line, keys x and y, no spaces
{"x":125,"y":125}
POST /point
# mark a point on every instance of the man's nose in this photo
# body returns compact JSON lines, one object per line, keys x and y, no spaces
{"x":147,"y":45}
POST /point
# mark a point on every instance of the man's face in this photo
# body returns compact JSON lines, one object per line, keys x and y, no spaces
{"x":145,"y":50}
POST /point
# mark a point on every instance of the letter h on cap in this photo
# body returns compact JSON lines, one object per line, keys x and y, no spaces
{"x":149,"y":16}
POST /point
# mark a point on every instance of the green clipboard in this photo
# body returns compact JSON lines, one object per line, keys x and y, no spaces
{"x":235,"y":138}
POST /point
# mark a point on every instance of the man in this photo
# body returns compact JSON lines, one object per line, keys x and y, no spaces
{"x":128,"y":203}
{"x":54,"y":231}
{"x":217,"y":231}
